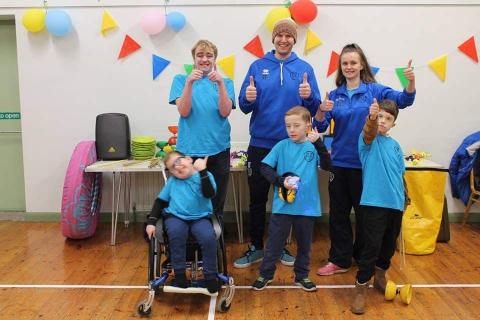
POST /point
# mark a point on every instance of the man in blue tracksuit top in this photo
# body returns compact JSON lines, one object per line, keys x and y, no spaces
{"x":274,"y":84}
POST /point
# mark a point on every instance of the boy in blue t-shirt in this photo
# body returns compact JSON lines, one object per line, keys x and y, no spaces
{"x":291,"y":166}
{"x":185,"y":205}
{"x":383,"y":198}
{"x":204,"y":100}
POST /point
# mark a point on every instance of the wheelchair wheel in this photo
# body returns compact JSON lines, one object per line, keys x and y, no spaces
{"x":223,"y":306}
{"x":142,"y":309}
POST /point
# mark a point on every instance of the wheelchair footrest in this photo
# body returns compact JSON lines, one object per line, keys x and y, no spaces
{"x":189,"y":290}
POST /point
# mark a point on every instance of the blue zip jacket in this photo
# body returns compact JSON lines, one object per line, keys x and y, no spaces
{"x":277,"y":83}
{"x":460,"y":166}
{"x":349,"y":115}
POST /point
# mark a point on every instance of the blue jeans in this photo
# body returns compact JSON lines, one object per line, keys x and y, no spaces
{"x":202,"y":230}
{"x":278,"y":231}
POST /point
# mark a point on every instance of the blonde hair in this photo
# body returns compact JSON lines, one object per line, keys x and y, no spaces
{"x":300,"y":111}
{"x":169,"y":155}
{"x":205,"y":44}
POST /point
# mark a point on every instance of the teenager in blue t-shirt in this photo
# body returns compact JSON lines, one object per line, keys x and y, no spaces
{"x":204,"y":100}
{"x":348,"y":106}
{"x":185,"y":205}
{"x":291,"y":166}
{"x":274,"y":84}
{"x":382,"y":201}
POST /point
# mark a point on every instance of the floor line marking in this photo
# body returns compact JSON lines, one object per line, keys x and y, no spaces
{"x":337,"y":286}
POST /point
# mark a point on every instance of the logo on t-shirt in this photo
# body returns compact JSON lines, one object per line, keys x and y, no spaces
{"x":308,"y":156}
{"x":293,"y":75}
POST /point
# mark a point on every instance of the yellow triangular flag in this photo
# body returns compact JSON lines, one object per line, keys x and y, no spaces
{"x":439,"y":66}
{"x":311,"y":41}
{"x":108,"y":23}
{"x":228,"y":65}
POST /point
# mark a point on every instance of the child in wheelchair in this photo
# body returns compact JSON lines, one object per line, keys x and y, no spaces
{"x":185,"y":206}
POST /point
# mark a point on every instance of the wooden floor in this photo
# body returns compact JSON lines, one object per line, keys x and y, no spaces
{"x":37,"y":254}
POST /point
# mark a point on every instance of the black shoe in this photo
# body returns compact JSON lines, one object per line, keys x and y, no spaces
{"x":306,"y":284}
{"x":180,"y":281}
{"x":212,"y":285}
{"x":261,"y":283}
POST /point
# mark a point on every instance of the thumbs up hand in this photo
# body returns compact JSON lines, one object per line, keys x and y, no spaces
{"x":374,"y":109}
{"x":313,"y":135}
{"x":408,"y":71}
{"x":327,"y":105}
{"x":304,"y":88}
{"x":195,"y":75}
{"x":200,"y":164}
{"x":251,"y":92}
{"x":215,"y":76}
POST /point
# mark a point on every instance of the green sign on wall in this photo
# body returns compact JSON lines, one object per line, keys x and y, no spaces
{"x":9,"y":115}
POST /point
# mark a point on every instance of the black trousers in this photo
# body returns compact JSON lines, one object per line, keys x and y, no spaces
{"x":381,"y":230}
{"x":278,"y":231}
{"x":258,"y":189}
{"x":345,"y":189}
{"x":219,"y":167}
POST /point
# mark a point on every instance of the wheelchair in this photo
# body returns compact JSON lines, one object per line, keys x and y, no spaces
{"x":160,"y":269}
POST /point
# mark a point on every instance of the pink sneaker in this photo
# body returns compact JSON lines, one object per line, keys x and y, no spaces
{"x":329,"y":269}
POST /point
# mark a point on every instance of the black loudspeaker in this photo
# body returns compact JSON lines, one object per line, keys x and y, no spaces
{"x":112,"y":136}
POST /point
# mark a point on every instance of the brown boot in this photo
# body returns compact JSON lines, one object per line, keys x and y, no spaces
{"x":358,"y":304}
{"x":379,"y":281}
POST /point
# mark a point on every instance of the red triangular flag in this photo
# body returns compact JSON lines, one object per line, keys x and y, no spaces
{"x":334,"y":58}
{"x":469,"y":48}
{"x":129,"y":46}
{"x":255,"y":47}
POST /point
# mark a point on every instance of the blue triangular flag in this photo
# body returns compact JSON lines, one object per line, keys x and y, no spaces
{"x":158,"y":65}
{"x":374,"y":70}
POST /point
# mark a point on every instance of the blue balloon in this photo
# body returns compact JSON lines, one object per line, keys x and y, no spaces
{"x":176,"y":21}
{"x":58,"y":22}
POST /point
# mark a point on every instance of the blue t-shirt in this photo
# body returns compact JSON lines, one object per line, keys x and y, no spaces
{"x":302,"y":160}
{"x":204,"y":132}
{"x":185,"y":198}
{"x":383,"y":169}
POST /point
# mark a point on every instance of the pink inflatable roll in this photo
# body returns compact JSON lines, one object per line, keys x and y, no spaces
{"x":81,"y":194}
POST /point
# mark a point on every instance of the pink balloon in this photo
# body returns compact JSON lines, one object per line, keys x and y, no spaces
{"x":153,"y":22}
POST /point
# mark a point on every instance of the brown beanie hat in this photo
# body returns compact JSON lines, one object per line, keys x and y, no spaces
{"x":287,"y":26}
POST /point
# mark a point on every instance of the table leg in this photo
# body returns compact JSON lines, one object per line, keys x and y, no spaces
{"x":240,"y":209}
{"x":112,"y":239}
{"x":235,"y":201}
{"x":126,"y":199}
{"x":116,"y":205}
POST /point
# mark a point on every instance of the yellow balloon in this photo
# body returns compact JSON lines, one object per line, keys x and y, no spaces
{"x":275,"y":15}
{"x":34,"y":20}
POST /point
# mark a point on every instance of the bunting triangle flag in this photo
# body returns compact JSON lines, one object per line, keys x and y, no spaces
{"x":158,"y":65}
{"x":401,"y":76}
{"x":439,"y":66}
{"x":333,"y":65}
{"x":108,"y":23}
{"x":255,"y":47}
{"x":469,"y":48}
{"x":374,"y":70}
{"x":129,"y":46}
{"x":312,"y":41}
{"x":188,"y":68}
{"x":227,"y":65}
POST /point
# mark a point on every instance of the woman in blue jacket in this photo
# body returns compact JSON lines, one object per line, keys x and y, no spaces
{"x":348,"y":105}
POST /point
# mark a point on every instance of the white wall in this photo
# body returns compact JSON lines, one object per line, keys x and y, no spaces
{"x":66,"y":82}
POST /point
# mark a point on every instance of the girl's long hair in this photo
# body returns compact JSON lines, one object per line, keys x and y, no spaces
{"x":366,"y":74}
